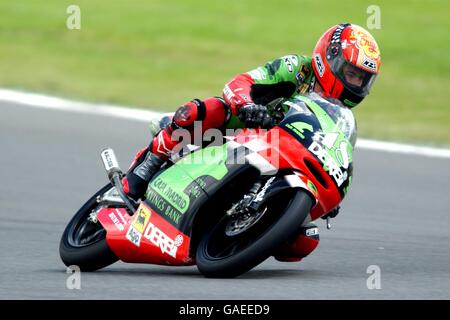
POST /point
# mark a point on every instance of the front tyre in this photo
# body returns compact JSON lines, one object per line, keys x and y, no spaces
{"x":225,"y":254}
{"x":83,"y":242}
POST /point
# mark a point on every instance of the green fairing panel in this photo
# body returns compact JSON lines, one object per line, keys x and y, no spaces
{"x":182,"y":186}
{"x":210,"y":161}
{"x":328,"y":131}
{"x":205,"y":162}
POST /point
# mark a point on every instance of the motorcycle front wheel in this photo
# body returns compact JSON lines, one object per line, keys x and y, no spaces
{"x":226,"y":252}
{"x":83,"y":242}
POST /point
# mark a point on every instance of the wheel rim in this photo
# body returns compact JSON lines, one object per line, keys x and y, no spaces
{"x":85,"y":232}
{"x":222,"y":245}
{"x":242,"y":223}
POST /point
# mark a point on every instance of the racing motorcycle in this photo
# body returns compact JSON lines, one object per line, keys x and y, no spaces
{"x":231,"y":210}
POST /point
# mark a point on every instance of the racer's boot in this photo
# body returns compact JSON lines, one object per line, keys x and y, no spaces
{"x":301,"y":246}
{"x":145,"y":165}
{"x":212,"y":112}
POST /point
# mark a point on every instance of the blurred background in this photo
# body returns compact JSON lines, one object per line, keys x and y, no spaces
{"x":158,"y":54}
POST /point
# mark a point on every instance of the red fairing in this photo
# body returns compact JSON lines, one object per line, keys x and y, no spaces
{"x":295,"y":157}
{"x":272,"y":147}
{"x":294,"y":251}
{"x":144,"y":237}
{"x":237,"y":92}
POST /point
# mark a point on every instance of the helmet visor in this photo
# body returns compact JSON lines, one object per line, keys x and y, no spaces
{"x":356,"y":80}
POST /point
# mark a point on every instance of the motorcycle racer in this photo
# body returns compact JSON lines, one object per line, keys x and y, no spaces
{"x":343,"y":66}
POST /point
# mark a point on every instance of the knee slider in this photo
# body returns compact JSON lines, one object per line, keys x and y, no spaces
{"x":190,"y":112}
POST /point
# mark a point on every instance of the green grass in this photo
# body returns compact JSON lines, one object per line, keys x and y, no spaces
{"x":158,"y":54}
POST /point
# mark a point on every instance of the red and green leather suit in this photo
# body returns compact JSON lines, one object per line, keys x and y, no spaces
{"x":282,"y":77}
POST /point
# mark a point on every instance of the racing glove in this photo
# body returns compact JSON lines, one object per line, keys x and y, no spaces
{"x":255,"y":115}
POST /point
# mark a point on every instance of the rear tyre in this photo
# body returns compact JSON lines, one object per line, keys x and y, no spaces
{"x":223,"y":256}
{"x":83,"y":242}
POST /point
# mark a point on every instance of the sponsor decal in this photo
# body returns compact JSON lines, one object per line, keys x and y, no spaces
{"x":312,"y":232}
{"x":109,"y":159}
{"x":134,"y":234}
{"x":116,"y":220}
{"x":368,"y":48}
{"x":172,"y":214}
{"x":299,"y":128}
{"x":319,"y":64}
{"x":201,"y":182}
{"x":162,"y":206}
{"x":329,"y":163}
{"x":141,"y":219}
{"x":157,"y":237}
{"x":333,"y":153}
{"x":194,"y":191}
{"x":367,"y":44}
{"x":369,"y":64}
{"x":178,"y":200}
{"x":179,"y":240}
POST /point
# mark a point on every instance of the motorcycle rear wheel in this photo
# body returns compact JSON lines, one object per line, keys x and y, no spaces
{"x":83,"y":242}
{"x":222,"y":256}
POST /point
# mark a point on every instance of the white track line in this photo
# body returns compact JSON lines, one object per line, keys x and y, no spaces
{"x":402,"y":148}
{"x":48,"y":102}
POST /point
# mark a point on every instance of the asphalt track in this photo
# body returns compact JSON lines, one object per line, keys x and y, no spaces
{"x":396,"y":218}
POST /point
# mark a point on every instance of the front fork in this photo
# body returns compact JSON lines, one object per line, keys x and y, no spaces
{"x":264,"y":189}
